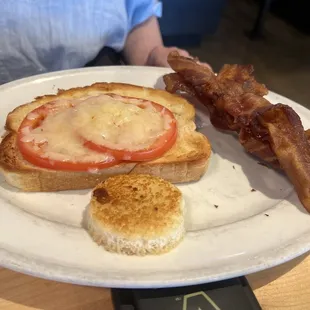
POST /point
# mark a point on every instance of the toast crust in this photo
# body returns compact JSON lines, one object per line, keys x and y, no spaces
{"x":112,"y":247}
{"x":180,"y":106}
{"x":186,"y":161}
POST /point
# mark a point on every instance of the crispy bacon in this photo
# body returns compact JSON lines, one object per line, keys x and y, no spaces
{"x":281,"y":126}
{"x":241,"y":76}
{"x":175,"y":83}
{"x":273,"y":133}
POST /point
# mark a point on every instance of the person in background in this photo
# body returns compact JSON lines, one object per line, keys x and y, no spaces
{"x":39,"y":36}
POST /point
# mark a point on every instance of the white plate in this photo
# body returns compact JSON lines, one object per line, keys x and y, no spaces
{"x":41,"y":234}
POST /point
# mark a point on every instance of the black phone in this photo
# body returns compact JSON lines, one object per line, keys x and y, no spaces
{"x":232,"y":294}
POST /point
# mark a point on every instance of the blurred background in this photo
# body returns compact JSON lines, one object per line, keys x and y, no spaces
{"x":273,"y":35}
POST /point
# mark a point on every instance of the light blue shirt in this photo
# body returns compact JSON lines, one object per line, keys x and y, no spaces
{"x":38,"y":36}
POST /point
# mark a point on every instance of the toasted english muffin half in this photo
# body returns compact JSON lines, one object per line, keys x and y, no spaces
{"x":136,"y":215}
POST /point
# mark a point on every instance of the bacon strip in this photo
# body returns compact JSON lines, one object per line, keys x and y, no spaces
{"x":285,"y":133}
{"x":273,"y":133}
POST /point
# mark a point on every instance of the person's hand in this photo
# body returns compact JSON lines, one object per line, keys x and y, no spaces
{"x":158,"y":56}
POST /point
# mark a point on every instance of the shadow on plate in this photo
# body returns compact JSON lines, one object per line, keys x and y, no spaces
{"x":84,"y":221}
{"x":159,"y":84}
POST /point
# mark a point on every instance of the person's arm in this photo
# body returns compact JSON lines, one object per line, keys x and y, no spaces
{"x":144,"y":45}
{"x":141,"y":41}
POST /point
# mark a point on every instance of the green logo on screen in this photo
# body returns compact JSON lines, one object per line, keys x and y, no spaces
{"x":206,"y":297}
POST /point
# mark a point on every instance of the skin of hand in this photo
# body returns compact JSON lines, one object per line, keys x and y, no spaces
{"x":158,"y":56}
{"x":144,"y":46}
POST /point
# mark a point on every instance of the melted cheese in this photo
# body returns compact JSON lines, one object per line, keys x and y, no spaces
{"x":60,"y":142}
{"x":102,"y":120}
{"x":118,"y":125}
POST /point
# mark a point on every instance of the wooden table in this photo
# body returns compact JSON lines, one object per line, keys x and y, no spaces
{"x":286,"y":287}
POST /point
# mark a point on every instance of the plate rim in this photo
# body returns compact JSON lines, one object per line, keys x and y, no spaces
{"x":7,"y":258}
{"x":55,"y":273}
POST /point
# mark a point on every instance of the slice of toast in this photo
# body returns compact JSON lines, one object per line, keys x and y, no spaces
{"x":136,"y":215}
{"x":186,"y":161}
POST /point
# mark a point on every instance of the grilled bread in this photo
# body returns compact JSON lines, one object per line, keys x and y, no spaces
{"x":136,"y":215}
{"x":186,"y":161}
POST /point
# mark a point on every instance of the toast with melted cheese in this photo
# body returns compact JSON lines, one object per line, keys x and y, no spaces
{"x":186,"y":161}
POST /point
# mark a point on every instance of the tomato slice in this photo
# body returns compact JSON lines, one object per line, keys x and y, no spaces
{"x":35,"y":153}
{"x":163,"y":143}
